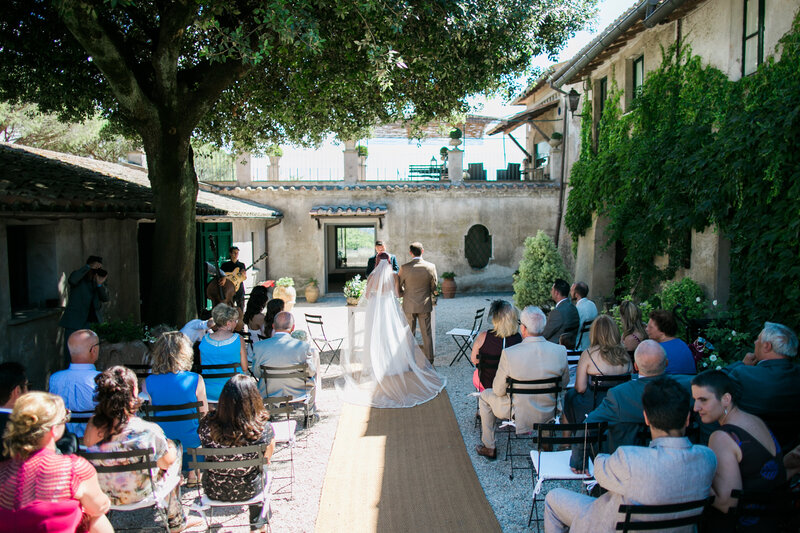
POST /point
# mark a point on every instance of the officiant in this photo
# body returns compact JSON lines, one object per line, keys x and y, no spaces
{"x":380,"y":247}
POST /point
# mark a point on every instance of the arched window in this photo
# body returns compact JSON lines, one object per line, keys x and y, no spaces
{"x":478,"y":246}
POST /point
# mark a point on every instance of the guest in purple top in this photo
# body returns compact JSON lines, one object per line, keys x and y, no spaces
{"x":662,"y":328}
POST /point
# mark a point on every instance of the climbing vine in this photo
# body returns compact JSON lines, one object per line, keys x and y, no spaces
{"x":697,"y":150}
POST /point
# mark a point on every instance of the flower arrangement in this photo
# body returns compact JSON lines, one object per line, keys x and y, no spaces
{"x":285,"y":282}
{"x":354,"y":288}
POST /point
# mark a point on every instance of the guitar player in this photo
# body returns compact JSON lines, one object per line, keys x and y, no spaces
{"x":231,"y":265}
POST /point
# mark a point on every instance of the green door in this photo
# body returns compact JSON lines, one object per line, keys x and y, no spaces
{"x":223,"y":237}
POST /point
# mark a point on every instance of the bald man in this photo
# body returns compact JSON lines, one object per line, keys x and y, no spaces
{"x":622,"y":406}
{"x":76,"y":384}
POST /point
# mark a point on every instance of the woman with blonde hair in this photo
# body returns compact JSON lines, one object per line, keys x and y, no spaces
{"x":633,"y":331}
{"x":172,"y":383}
{"x":605,"y":357}
{"x":223,"y":346}
{"x":41,"y":490}
{"x":490,"y":344}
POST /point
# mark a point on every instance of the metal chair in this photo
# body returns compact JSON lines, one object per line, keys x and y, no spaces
{"x":284,"y":429}
{"x":464,"y":337}
{"x":780,"y":506}
{"x":551,"y":466}
{"x":133,"y":461}
{"x":550,"y":386}
{"x":297,"y":372}
{"x":260,"y":460}
{"x":665,"y":523}
{"x":321,"y":340}
{"x":210,"y":372}
{"x":585,"y":328}
{"x":601,"y":384}
{"x":142,"y":371}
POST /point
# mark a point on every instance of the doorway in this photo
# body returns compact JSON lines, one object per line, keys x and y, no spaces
{"x":348,"y":247}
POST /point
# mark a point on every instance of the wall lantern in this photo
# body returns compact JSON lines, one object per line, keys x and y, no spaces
{"x":574,"y":99}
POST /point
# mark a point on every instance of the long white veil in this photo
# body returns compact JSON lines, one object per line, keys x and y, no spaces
{"x":383,"y":366}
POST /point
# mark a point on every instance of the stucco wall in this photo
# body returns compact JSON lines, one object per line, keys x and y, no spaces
{"x":437,"y":216}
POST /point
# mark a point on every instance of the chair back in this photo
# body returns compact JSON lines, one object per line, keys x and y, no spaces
{"x":160,"y":413}
{"x":567,"y":340}
{"x":131,"y":461}
{"x":80,"y":417}
{"x":591,"y":434}
{"x":477,"y":322}
{"x":296,"y":372}
{"x":668,"y":509}
{"x":573,"y":356}
{"x":218,"y":371}
{"x":142,"y":371}
{"x":278,"y":405}
{"x":532,"y":387}
{"x":315,"y":322}
{"x":604,"y":383}
{"x":779,"y":505}
{"x":205,"y":453}
{"x":585,"y":329}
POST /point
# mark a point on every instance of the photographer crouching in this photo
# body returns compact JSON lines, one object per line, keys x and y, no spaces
{"x":87,"y":291}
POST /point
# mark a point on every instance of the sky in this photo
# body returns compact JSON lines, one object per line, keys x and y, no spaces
{"x":390,"y":160}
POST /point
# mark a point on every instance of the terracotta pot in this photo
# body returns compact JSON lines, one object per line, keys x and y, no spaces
{"x":287,"y":294}
{"x":352,"y":301}
{"x":312,"y":293}
{"x":448,"y":288}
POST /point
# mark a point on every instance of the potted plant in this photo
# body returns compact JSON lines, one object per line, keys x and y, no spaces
{"x":455,"y":137}
{"x":312,"y":290}
{"x":443,"y":151}
{"x":448,"y":284}
{"x":555,"y":139}
{"x":284,"y":289}
{"x":362,"y":151}
{"x":353,"y":289}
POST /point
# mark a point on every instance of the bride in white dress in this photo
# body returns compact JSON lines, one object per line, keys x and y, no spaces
{"x":384,"y":367}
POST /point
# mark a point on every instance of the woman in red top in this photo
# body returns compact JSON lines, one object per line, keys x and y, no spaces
{"x":41,"y":490}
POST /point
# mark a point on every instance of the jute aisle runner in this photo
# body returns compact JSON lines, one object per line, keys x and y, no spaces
{"x":402,"y":470}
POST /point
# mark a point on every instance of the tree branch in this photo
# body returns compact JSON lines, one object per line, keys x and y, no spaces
{"x":208,"y":82}
{"x":81,"y":19}
{"x":174,"y":19}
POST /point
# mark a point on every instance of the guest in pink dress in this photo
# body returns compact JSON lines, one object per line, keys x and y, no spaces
{"x":41,"y":490}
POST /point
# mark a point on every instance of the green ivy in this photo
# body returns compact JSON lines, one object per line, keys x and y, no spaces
{"x":697,"y":150}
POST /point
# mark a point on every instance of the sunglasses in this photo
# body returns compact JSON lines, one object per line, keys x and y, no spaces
{"x":67,"y":417}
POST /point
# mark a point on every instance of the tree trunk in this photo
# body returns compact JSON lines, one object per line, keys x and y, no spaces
{"x":171,"y":171}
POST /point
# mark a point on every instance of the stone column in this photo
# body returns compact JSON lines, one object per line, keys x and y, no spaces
{"x":274,"y":171}
{"x":362,"y":168}
{"x":455,"y":163}
{"x":243,"y":169}
{"x":595,"y":261}
{"x":554,"y":161}
{"x":351,"y":163}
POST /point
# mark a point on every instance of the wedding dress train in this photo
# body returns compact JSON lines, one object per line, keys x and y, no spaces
{"x":383,"y":366}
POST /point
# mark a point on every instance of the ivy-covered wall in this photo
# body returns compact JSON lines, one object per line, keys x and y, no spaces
{"x":696,"y":150}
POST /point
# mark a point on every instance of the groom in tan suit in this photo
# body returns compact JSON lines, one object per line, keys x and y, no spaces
{"x":417,"y":283}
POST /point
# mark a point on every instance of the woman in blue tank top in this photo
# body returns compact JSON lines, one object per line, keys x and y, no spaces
{"x":223,"y":346}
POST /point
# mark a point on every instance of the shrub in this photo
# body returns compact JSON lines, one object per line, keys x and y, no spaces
{"x":362,"y":150}
{"x":541,"y":265}
{"x":456,"y":133}
{"x":273,"y":150}
{"x":285,"y":282}
{"x":448,"y":275}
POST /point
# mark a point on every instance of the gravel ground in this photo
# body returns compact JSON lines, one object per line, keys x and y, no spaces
{"x":296,"y":512}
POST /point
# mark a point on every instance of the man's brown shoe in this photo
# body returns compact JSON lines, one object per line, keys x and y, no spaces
{"x":489,"y":453}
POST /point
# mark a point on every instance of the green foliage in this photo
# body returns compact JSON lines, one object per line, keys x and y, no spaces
{"x":285,"y":282}
{"x":556,"y":136}
{"x":645,"y":307}
{"x":541,"y":265}
{"x":354,"y":288}
{"x":448,"y":275}
{"x":362,"y":150}
{"x":456,"y":133}
{"x":686,"y":293}
{"x":274,"y":150}
{"x":696,"y":150}
{"x":443,"y":151}
{"x":312,"y":282}
{"x":121,"y":331}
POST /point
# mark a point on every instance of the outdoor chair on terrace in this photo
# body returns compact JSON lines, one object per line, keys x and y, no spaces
{"x":261,"y":461}
{"x":476,"y":172}
{"x":292,"y":372}
{"x":464,"y":337}
{"x":665,"y":523}
{"x":600,"y":384}
{"x":585,"y":328}
{"x":332,"y":347}
{"x":280,"y":411}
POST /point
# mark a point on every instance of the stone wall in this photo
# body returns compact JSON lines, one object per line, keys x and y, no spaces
{"x":437,"y":215}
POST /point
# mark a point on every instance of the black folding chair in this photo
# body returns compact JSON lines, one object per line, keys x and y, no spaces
{"x":550,"y":386}
{"x":142,"y":371}
{"x":601,"y":384}
{"x":585,"y":328}
{"x":464,"y":337}
{"x":299,"y":372}
{"x":630,"y":511}
{"x":321,"y":340}
{"x":211,"y":372}
{"x":554,"y":465}
{"x":780,"y":507}
{"x":136,"y":461}
{"x":205,"y":462}
{"x":160,"y":414}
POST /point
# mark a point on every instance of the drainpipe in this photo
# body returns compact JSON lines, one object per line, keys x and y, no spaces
{"x":563,"y":168}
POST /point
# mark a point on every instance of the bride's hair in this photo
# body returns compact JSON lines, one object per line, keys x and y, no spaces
{"x":382,"y":255}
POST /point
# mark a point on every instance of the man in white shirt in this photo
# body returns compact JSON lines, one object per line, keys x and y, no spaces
{"x":587,"y":311}
{"x":76,"y":384}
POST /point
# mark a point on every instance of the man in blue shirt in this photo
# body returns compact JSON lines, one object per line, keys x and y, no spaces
{"x":76,"y":384}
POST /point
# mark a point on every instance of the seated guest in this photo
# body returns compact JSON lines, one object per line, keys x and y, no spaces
{"x":172,"y":383}
{"x":670,"y":470}
{"x":534,"y":358}
{"x":13,"y":384}
{"x":632,"y":328}
{"x":41,"y":490}
{"x":748,"y":455}
{"x":587,"y":310}
{"x":274,"y":307}
{"x":239,"y":420}
{"x":606,"y":357}
{"x":223,"y":346}
{"x":115,"y":428}
{"x":563,"y":319}
{"x":489,"y":345}
{"x":283,"y":350}
{"x":196,"y":329}
{"x":76,"y":384}
{"x":622,"y":406}
{"x":770,"y":380}
{"x":254,"y":313}
{"x":662,"y":328}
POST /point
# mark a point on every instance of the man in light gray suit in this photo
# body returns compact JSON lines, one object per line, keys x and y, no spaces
{"x":418,"y":281}
{"x":670,"y":470}
{"x":534,"y":358}
{"x":283,"y":350}
{"x":587,"y":312}
{"x":563,"y":319}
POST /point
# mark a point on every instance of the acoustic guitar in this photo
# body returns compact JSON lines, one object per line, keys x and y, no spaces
{"x":238,"y":275}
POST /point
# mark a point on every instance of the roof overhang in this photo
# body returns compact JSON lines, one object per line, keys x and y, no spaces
{"x":370,"y":210}
{"x":515,"y":121}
